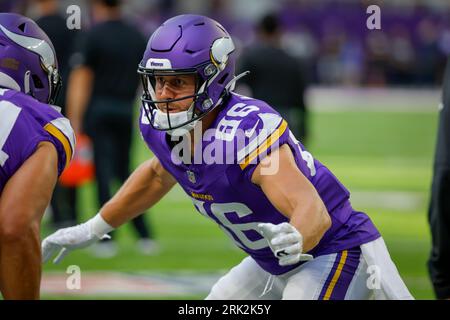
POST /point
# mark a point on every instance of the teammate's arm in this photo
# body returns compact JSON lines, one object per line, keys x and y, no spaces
{"x":294,"y":196}
{"x":22,"y":204}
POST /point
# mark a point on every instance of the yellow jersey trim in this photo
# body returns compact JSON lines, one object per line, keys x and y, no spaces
{"x":54,"y":131}
{"x":264,"y":145}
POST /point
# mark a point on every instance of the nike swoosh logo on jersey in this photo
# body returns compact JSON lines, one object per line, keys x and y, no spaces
{"x":249,"y":132}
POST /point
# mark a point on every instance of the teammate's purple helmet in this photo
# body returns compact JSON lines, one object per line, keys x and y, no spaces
{"x":27,"y":58}
{"x":188,"y":44}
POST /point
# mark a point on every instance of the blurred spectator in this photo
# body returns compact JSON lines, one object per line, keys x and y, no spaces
{"x":6,"y":6}
{"x":276,"y":77}
{"x":429,"y":57}
{"x":17,"y":6}
{"x":377,"y":58}
{"x":329,"y":63}
{"x":352,"y":58}
{"x":439,"y":211}
{"x":302,"y":45}
{"x":101,"y":96}
{"x":64,"y":198}
{"x":402,"y":59}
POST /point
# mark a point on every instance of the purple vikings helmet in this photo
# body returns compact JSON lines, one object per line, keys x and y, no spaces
{"x":188,"y":44}
{"x":27,"y":58}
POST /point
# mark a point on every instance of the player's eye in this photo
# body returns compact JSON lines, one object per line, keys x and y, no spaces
{"x":178,"y":82}
{"x":159,"y":82}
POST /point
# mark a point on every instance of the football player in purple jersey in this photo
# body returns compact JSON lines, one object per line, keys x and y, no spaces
{"x":36,"y":144}
{"x":237,"y":160}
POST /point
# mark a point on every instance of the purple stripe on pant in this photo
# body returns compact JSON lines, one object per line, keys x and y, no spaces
{"x":345,"y":277}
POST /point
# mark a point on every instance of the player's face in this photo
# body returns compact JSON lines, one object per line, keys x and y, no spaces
{"x":175,"y":87}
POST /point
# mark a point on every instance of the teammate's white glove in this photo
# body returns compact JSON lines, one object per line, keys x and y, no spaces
{"x":285,"y":241}
{"x":77,"y":237}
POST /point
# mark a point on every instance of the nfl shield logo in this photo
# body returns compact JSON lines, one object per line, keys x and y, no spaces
{"x":191,"y":176}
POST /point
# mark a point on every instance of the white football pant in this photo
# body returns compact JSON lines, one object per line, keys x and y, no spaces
{"x":361,"y":273}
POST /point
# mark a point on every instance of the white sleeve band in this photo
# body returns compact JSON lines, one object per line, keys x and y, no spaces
{"x":99,"y":226}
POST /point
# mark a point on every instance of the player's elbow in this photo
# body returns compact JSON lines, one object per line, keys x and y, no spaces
{"x":325,"y":221}
{"x":321,"y":226}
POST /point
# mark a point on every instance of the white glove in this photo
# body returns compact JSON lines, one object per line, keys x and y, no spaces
{"x":285,"y":241}
{"x":77,"y":237}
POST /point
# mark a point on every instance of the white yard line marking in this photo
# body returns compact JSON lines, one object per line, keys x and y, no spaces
{"x":111,"y":284}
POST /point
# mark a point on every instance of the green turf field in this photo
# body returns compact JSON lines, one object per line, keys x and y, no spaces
{"x":370,"y":152}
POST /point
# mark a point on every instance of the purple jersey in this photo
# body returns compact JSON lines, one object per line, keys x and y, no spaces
{"x":222,"y":189}
{"x":24,"y":123}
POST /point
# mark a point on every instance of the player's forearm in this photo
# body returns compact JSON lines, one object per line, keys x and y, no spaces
{"x":312,"y":220}
{"x":142,"y":190}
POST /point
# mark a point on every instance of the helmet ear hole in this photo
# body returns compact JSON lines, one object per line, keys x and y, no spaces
{"x":222,"y":80}
{"x":37,"y":82}
{"x":21,"y":27}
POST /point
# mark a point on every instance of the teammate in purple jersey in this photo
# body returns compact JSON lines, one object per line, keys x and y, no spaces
{"x":36,"y":144}
{"x":237,"y":160}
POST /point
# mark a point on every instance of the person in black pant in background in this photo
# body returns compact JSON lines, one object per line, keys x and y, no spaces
{"x":64,"y":199}
{"x":101,"y":97}
{"x":439,"y":210}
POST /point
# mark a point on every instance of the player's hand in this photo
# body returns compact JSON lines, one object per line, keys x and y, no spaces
{"x":285,"y":241}
{"x":68,"y":239}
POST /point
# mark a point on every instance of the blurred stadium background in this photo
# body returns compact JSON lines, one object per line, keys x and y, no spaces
{"x":373,"y":98}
